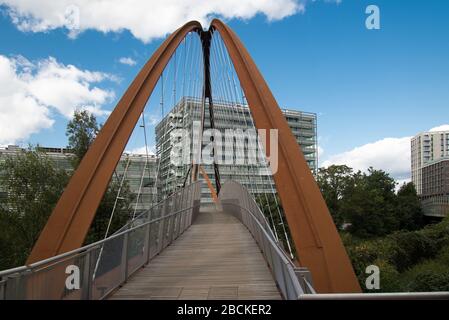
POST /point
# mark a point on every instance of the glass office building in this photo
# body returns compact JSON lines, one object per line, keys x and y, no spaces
{"x":227,"y":116}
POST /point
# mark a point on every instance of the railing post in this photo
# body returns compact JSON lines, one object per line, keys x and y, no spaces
{"x":87,"y":277}
{"x":181,"y":213}
{"x":162,"y":233}
{"x":2,"y":289}
{"x":125,"y":257}
{"x":305,"y":278}
{"x":171,"y":232}
{"x":148,"y":237}
{"x":148,"y":242}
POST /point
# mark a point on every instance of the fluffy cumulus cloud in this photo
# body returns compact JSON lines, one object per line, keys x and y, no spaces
{"x":30,"y":93}
{"x":390,"y":154}
{"x":146,"y":20}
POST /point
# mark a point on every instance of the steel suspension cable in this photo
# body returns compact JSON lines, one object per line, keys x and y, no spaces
{"x":267,"y":168}
{"x":228,"y":68}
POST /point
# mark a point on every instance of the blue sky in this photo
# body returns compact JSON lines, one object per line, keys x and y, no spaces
{"x":365,"y":85}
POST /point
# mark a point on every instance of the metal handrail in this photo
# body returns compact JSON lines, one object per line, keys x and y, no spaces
{"x":140,"y":215}
{"x":379,"y":296}
{"x":25,"y":281}
{"x":85,"y":248}
{"x":237,"y":200}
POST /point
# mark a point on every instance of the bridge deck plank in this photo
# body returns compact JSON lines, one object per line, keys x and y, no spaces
{"x":216,"y":258}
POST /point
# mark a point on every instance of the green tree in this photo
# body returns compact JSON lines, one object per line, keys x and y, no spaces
{"x":33,"y":186}
{"x":81,"y":132}
{"x":336,"y":183}
{"x":371,"y":206}
{"x":408,"y":209}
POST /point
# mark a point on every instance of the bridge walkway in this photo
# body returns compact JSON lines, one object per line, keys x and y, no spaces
{"x":216,"y":258}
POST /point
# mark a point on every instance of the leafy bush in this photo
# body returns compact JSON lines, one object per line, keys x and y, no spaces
{"x":443,"y":255}
{"x":409,"y":248}
{"x":408,"y":261}
{"x":390,"y":280}
{"x":427,"y":276}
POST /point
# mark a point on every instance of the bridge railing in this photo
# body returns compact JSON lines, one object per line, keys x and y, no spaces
{"x":95,"y":270}
{"x":293,"y":282}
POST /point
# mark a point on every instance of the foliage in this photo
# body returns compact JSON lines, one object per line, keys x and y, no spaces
{"x":408,"y":260}
{"x":408,"y":248}
{"x":367,"y":203}
{"x":443,"y":255}
{"x":370,"y":207}
{"x":426,"y":277}
{"x":408,"y":210}
{"x":336,"y":183}
{"x":33,"y":186}
{"x":81,"y":132}
{"x":390,"y":278}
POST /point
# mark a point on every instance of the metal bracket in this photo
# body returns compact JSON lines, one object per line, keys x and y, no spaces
{"x":305,"y":279}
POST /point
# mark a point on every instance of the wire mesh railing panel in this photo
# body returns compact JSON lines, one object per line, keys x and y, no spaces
{"x":49,"y":281}
{"x":111,"y":266}
{"x":154,"y":238}
{"x":137,"y":249}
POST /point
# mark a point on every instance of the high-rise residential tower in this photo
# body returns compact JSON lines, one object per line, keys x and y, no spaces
{"x":430,"y":171}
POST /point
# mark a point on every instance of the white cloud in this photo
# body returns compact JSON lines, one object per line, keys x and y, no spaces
{"x":390,"y":154}
{"x":146,"y":20}
{"x":142,"y":150}
{"x":128,"y":61}
{"x":31,"y":91}
{"x":444,"y":127}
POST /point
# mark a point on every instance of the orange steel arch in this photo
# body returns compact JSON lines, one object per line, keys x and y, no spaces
{"x":70,"y":220}
{"x":318,"y":244}
{"x":316,"y":239}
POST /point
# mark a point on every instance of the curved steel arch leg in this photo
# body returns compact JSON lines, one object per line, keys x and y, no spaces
{"x":316,"y":239}
{"x":70,"y":220}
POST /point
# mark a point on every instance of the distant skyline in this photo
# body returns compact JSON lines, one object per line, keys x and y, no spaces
{"x":372,"y":89}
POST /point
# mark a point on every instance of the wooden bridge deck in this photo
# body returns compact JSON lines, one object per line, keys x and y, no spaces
{"x":216,"y":258}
